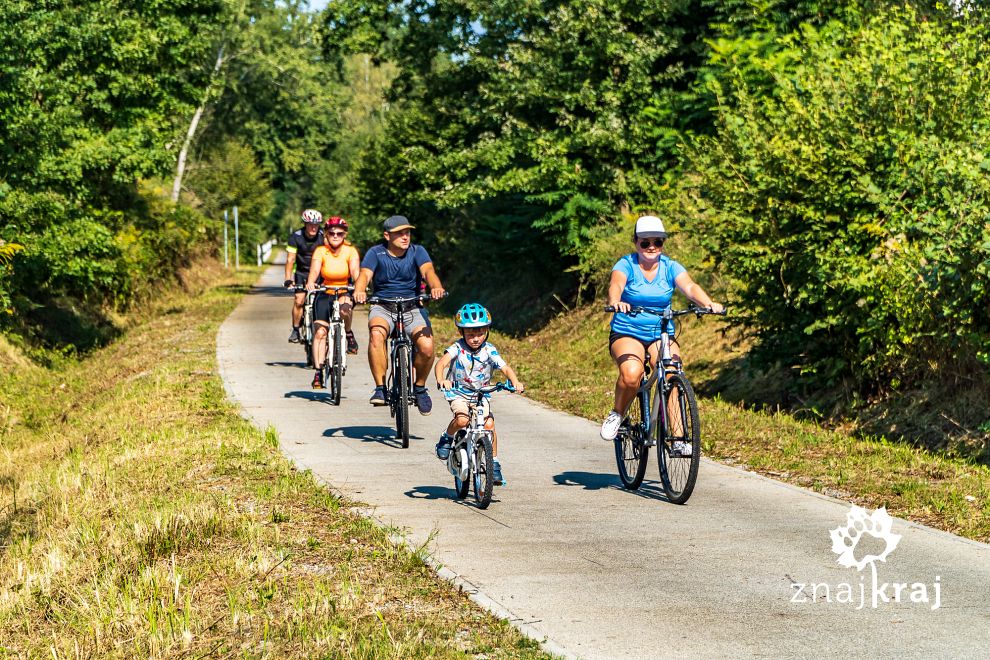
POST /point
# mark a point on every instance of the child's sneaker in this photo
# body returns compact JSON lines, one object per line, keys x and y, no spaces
{"x":497,"y":474}
{"x":443,"y":446}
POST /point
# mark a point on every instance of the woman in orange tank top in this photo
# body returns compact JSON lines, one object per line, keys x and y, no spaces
{"x":338,"y":263}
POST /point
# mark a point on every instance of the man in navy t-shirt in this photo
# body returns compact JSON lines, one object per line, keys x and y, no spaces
{"x":395,"y":268}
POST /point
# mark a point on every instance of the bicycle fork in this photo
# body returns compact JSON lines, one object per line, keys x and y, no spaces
{"x":460,"y":459}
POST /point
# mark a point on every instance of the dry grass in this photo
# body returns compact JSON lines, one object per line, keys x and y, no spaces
{"x":141,"y":516}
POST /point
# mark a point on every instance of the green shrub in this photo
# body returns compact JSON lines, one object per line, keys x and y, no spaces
{"x":852,"y":206}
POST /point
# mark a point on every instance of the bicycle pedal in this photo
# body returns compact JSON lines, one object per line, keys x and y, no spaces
{"x":649,"y":443}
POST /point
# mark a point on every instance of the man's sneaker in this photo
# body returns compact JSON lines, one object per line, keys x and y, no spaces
{"x":497,"y":475}
{"x":423,"y":400}
{"x":610,"y":427}
{"x":443,"y":446}
{"x":378,"y":396}
{"x":680,"y":448}
{"x":294,"y":337}
{"x":352,"y":346}
{"x":318,"y":380}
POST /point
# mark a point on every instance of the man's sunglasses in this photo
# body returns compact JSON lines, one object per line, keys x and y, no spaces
{"x":335,"y":233}
{"x":646,"y":242}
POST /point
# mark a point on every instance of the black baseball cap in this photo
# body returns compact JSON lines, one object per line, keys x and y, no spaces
{"x":397,"y":222}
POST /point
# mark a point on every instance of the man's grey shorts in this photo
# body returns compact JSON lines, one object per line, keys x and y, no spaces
{"x":413,"y":320}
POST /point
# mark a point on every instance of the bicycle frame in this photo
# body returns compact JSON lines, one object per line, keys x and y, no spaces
{"x":667,"y":421}
{"x":465,"y":441}
{"x":336,"y":332}
{"x":401,"y":376}
{"x":397,"y":338}
{"x":666,"y":364}
{"x":474,"y":443}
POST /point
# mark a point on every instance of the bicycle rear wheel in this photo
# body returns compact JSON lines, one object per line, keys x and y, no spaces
{"x":336,"y":370}
{"x":482,"y":470}
{"x":631,"y":452}
{"x":679,"y":470}
{"x":400,"y":394}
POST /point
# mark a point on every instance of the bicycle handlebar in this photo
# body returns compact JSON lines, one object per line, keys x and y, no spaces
{"x":501,"y":386}
{"x":667,"y":313}
{"x":319,"y":288}
{"x":423,"y":297}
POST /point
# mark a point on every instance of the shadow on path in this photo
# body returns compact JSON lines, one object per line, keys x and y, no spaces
{"x":382,"y":434}
{"x":444,"y":493}
{"x":298,"y":365}
{"x":431,"y":493}
{"x":323,"y":397}
{"x":651,"y":490}
{"x":266,"y":290}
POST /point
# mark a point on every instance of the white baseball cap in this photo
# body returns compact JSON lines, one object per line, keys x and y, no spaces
{"x":650,"y":226}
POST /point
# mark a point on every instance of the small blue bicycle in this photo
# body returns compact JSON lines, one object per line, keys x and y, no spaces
{"x":471,"y":459}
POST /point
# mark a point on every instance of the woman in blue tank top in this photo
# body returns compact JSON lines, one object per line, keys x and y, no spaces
{"x":645,"y":278}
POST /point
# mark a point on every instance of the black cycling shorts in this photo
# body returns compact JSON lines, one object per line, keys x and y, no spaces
{"x":321,"y":307}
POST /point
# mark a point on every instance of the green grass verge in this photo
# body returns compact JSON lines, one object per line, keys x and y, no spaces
{"x":566,"y":365}
{"x":141,"y":516}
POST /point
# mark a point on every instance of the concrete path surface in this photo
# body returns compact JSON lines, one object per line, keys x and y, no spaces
{"x":745,"y":569}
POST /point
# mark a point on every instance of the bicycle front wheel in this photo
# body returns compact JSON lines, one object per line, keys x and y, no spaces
{"x":336,"y":369}
{"x":679,"y":446}
{"x":483,"y":470}
{"x":400,"y":394}
{"x":459,"y":449}
{"x":631,"y":452}
{"x":326,"y":369}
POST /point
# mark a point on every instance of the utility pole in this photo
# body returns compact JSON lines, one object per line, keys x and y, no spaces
{"x":226,"y":261}
{"x":237,"y":242}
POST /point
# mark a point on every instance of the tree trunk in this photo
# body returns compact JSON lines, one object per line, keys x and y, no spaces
{"x":180,"y":167}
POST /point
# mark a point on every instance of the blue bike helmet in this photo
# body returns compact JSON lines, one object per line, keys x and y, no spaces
{"x":472,"y":315}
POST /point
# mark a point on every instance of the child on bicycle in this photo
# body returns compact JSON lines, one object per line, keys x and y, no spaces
{"x":468,"y":364}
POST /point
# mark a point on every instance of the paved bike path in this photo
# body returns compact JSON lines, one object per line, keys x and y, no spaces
{"x":599,"y":571}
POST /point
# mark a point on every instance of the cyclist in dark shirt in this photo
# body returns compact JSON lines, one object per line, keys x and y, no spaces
{"x":396,"y":267}
{"x":302,"y":243}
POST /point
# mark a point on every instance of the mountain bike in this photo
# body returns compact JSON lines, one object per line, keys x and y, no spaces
{"x":335,"y":361}
{"x":668,"y":420}
{"x":471,"y":459}
{"x":399,"y":382}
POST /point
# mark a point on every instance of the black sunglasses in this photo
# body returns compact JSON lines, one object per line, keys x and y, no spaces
{"x":335,"y":233}
{"x":646,"y":242}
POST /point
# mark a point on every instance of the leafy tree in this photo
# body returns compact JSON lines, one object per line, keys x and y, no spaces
{"x":231,"y":177}
{"x":852,"y":204}
{"x":277,"y":97}
{"x":90,"y":93}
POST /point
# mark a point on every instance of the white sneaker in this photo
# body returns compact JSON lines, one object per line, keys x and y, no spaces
{"x":610,"y":427}
{"x":680,"y":448}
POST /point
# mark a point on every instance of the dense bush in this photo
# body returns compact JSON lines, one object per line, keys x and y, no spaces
{"x":852,"y":205}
